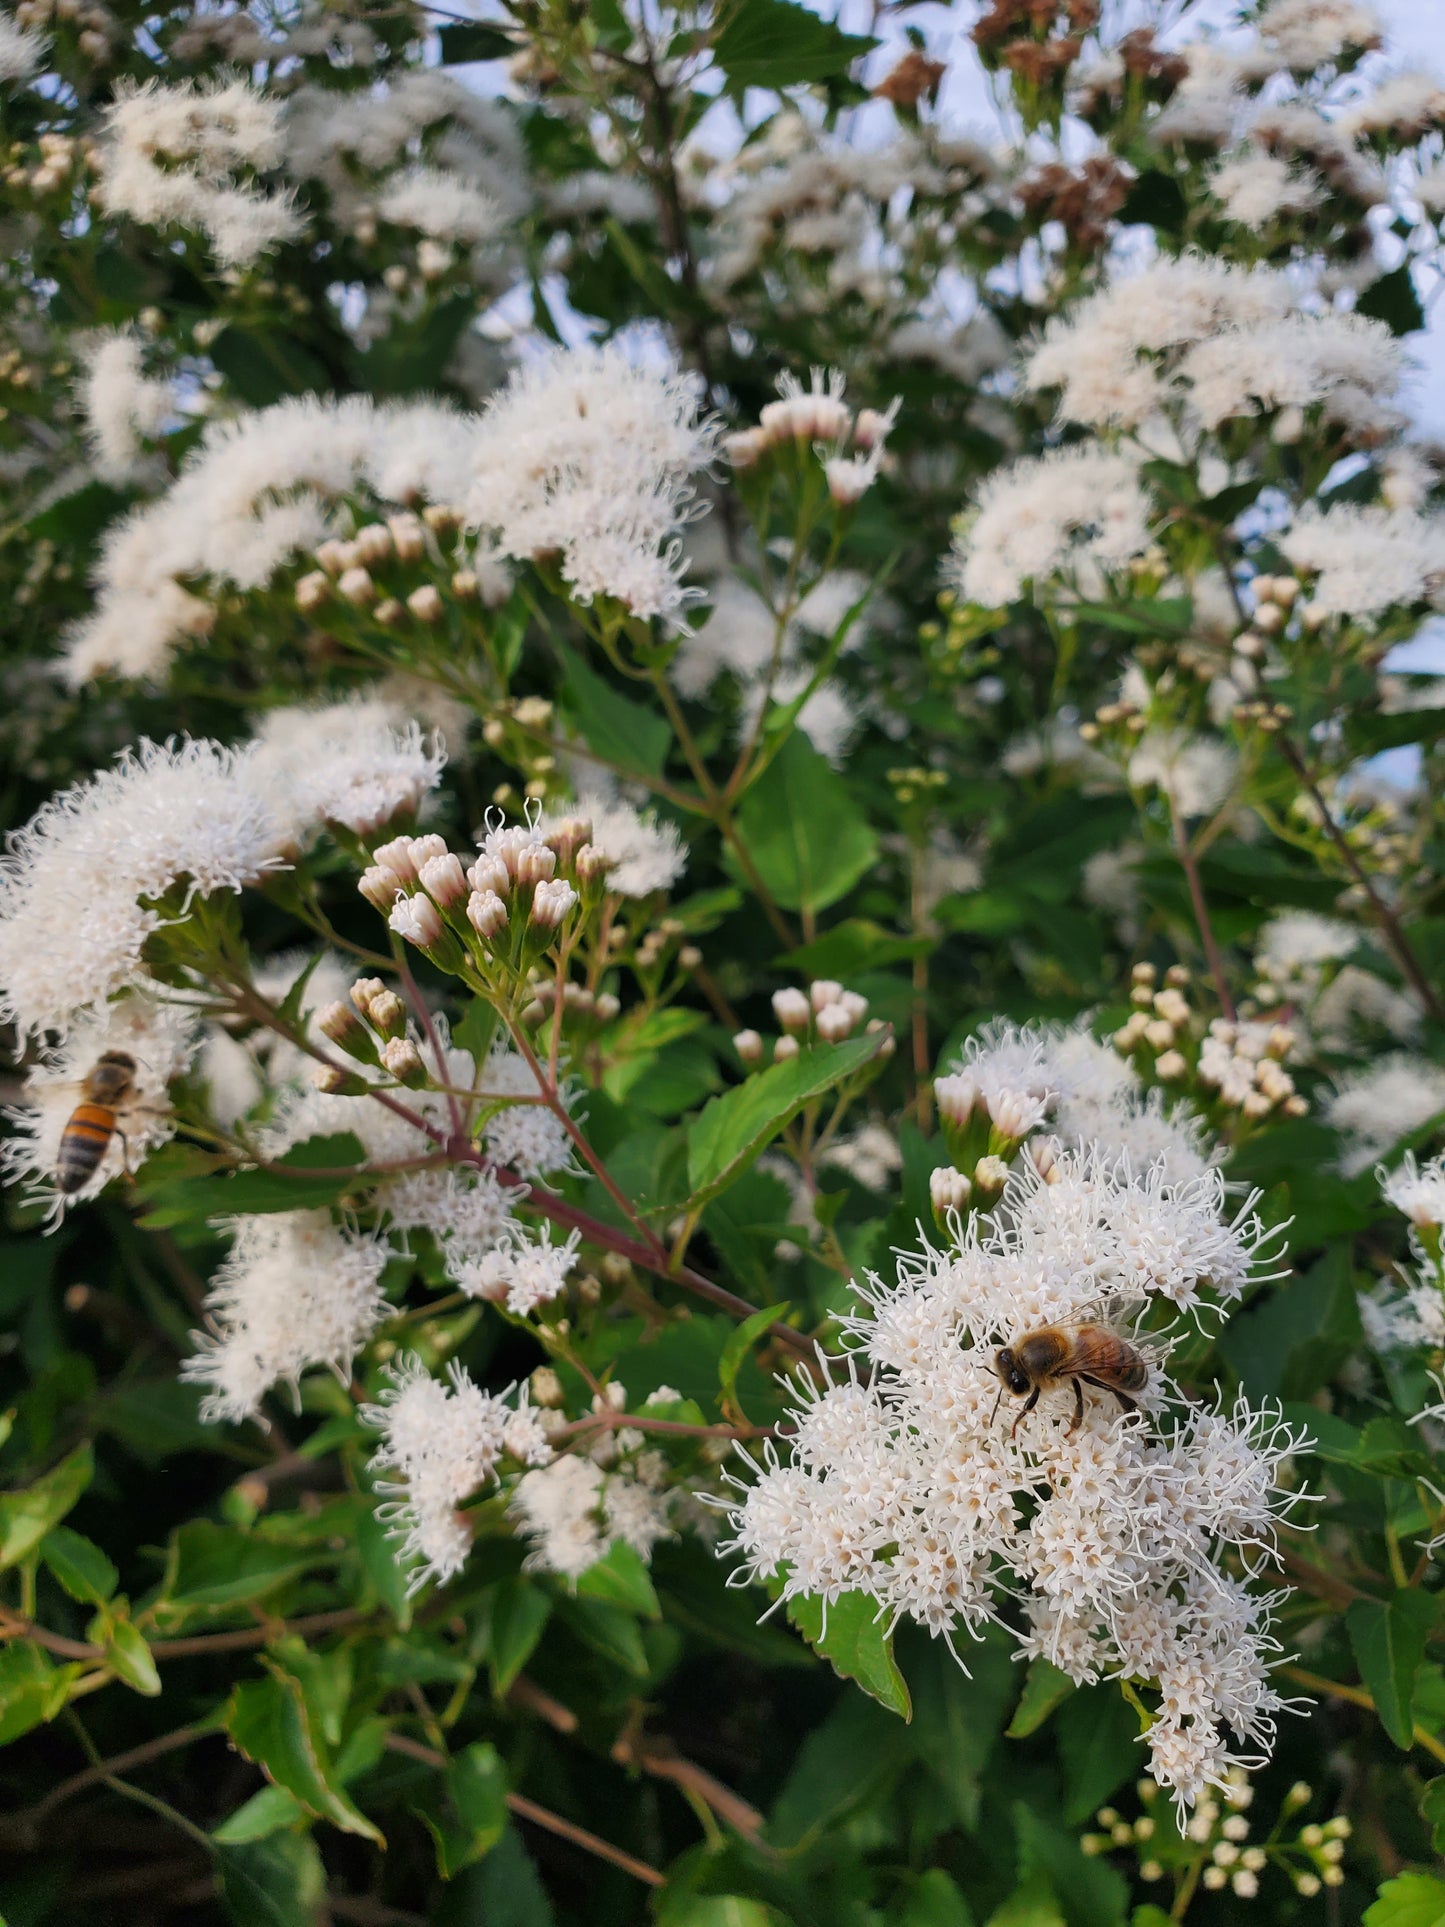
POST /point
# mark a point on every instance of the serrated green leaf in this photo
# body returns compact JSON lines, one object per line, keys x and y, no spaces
{"x":934,"y":1901}
{"x":733,"y":1129}
{"x":1388,"y":1639}
{"x":32,"y":1689}
{"x":1432,"y":1811}
{"x":1045,"y":1687}
{"x":269,"y":1720}
{"x":621,"y":1579}
{"x":212,"y":1566}
{"x":803,"y":831}
{"x":79,"y":1565}
{"x":1098,"y":1736}
{"x":474,"y":1814}
{"x":615,"y":727}
{"x":28,"y":1515}
{"x":856,"y":1644}
{"x":275,"y":1882}
{"x":1409,"y":1900}
{"x":608,"y":1630}
{"x":775,"y":43}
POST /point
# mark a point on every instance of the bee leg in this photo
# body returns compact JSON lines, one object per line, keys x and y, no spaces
{"x":1128,"y":1404}
{"x":1028,"y":1405}
{"x":1078,"y":1408}
{"x":997,"y":1402}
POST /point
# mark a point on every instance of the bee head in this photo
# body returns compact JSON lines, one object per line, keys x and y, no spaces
{"x":1008,"y":1369}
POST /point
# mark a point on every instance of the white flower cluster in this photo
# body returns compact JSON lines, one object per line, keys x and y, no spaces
{"x":1293,"y":951}
{"x":1025,"y":1078}
{"x":576,"y":1509}
{"x":642,"y":852}
{"x":179,"y":157}
{"x":441,"y":1446}
{"x":1081,"y":511}
{"x":188,"y":813}
{"x":1367,"y":559}
{"x":294,"y":1292}
{"x":122,"y":405}
{"x":1208,"y":341}
{"x":1410,"y":1316}
{"x":357,"y":763}
{"x":1244,"y":1063}
{"x":21,"y":51}
{"x":1373,"y":1108}
{"x":1195,"y":773}
{"x":908,"y":1486}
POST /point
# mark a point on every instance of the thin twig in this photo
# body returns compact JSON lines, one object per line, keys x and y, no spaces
{"x":1357,"y":1696}
{"x":539,"y":1816}
{"x":106,"y":1769}
{"x":1201,"y":913}
{"x":1389,"y":923}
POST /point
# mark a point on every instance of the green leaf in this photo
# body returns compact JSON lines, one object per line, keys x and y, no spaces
{"x":732,"y":1129}
{"x":377,"y":1550}
{"x":212,"y":1566}
{"x":1031,"y":1904}
{"x":519,"y":1615}
{"x":621,"y":1579}
{"x":1389,"y":1643}
{"x":1432,"y":1811}
{"x":265,"y":364}
{"x":1393,"y":300}
{"x":265,"y":1813}
{"x":773,"y":43}
{"x":1146,"y":616}
{"x":739,"y":1345}
{"x":1091,"y":1892}
{"x":803,"y":831}
{"x":615,"y":727}
{"x":129,"y":1656}
{"x":934,"y":1901}
{"x":843,"y":1764}
{"x":719,"y":1910}
{"x":608,"y":1630}
{"x":192,"y":1200}
{"x":276,"y":1882}
{"x":80,"y":1566}
{"x":856,"y":1644}
{"x":28,"y":1515}
{"x":1044,"y":1689}
{"x":1410,"y":1900}
{"x":32,"y":1690}
{"x":473,"y":41}
{"x":853,"y":946}
{"x":1098,"y":1735}
{"x":475,"y":1812}
{"x":272,"y":1724}
{"x":1293,"y":1338}
{"x":503,"y":1891}
{"x":958,"y":1717}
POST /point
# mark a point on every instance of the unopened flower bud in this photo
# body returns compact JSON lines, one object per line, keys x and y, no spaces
{"x":536,"y":864}
{"x":824,"y":992}
{"x":372,"y":544}
{"x":408,"y":537}
{"x":956,"y":1096}
{"x":386,"y":1013}
{"x":425,"y":603}
{"x":784,"y":1048}
{"x":334,"y":556}
{"x":1158,"y":1034}
{"x":444,"y":880}
{"x":312,"y":590}
{"x":551,"y":902}
{"x":490,"y":874}
{"x":416,"y":919}
{"x":338,"y":1083}
{"x":834,"y":1023}
{"x":422,"y":849}
{"x":388,"y":612}
{"x":608,"y":1007}
{"x":380,"y":886}
{"x":749,"y":1047}
{"x":397,"y":857}
{"x":364,"y":989}
{"x":592,"y":863}
{"x":689,"y":957}
{"x":341,"y":1024}
{"x":792,"y":1010}
{"x":546,"y":1388}
{"x":465,"y":585}
{"x":1170,"y":1066}
{"x":856,"y":1006}
{"x":487,"y":913}
{"x":990,"y":1175}
{"x":870,"y":428}
{"x":402,"y":1061}
{"x":948,"y":1190}
{"x":745,"y":448}
{"x":357,"y":586}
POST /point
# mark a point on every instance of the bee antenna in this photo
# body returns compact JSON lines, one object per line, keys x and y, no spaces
{"x":997,"y":1402}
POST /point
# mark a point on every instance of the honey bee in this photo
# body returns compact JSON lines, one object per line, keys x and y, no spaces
{"x":94,"y":1121}
{"x":1080,"y":1354}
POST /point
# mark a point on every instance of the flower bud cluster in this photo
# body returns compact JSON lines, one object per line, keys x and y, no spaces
{"x":1214,"y":1848}
{"x":1244,"y":1063}
{"x":818,"y":418}
{"x":825,"y":1013}
{"x":376,"y":569}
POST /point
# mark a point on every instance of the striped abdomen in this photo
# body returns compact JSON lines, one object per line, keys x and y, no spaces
{"x":83,"y":1144}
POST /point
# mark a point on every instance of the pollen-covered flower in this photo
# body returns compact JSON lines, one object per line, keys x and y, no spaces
{"x":295,"y":1291}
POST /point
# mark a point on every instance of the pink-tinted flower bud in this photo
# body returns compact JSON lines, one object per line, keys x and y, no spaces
{"x":536,"y":864}
{"x":834,"y":1023}
{"x":792,"y":1010}
{"x":824,"y":992}
{"x":357,"y":586}
{"x":784,"y":1048}
{"x":948,"y":1190}
{"x":396,"y":856}
{"x":424,"y":848}
{"x":402,"y":1060}
{"x":990,"y":1175}
{"x":689,"y":957}
{"x":856,"y":1006}
{"x":749,"y":1047}
{"x":335,"y":556}
{"x":486,"y":913}
{"x":388,"y":612}
{"x":312,"y":590}
{"x":592,"y":863}
{"x":417,"y":920}
{"x":871,"y":428}
{"x":551,"y":903}
{"x":956,"y":1096}
{"x":341,"y":1024}
{"x":745,"y":448}
{"x":489,"y":873}
{"x":372,"y":544}
{"x":386,"y":1013}
{"x":381,"y":887}
{"x":408,"y":537}
{"x":568,"y":837}
{"x":465,"y":585}
{"x":444,"y":879}
{"x":425,"y":603}
{"x":365,"y":988}
{"x":608,"y":1007}
{"x":339,"y":1083}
